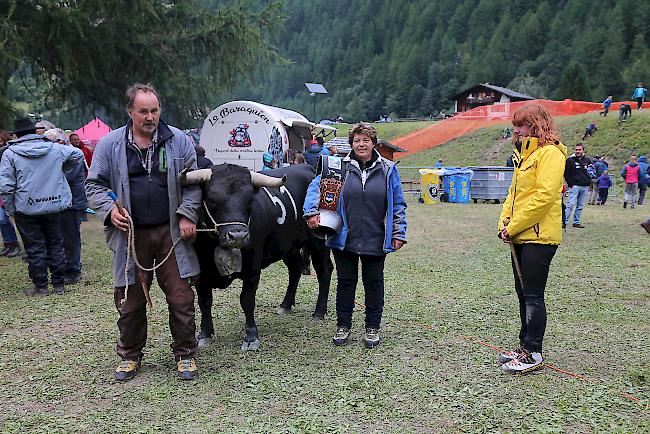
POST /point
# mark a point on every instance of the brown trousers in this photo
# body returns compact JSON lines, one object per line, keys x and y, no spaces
{"x":154,"y":243}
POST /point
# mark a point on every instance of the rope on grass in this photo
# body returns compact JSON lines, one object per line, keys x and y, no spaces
{"x":496,"y":348}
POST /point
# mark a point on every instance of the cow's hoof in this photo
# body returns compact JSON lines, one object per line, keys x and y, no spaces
{"x":250,"y":346}
{"x":283,"y":310}
{"x":204,"y":342}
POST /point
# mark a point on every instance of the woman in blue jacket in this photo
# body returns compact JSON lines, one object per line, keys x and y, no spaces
{"x":372,"y":209}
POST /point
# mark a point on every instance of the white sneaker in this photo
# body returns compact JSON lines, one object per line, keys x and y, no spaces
{"x":525,"y":363}
{"x":507,"y":356}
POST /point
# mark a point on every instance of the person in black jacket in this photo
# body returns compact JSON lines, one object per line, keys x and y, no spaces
{"x":201,"y":160}
{"x":578,"y":181}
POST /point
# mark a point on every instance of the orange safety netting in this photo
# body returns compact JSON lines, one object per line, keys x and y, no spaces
{"x":487,"y":116}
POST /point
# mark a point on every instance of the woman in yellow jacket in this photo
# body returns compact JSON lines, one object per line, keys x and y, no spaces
{"x":531,"y":220}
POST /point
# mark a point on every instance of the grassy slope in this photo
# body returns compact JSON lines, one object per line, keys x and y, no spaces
{"x":57,"y":353}
{"x":484,"y":147}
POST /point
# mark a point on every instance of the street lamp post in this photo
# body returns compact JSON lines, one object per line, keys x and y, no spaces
{"x":314,"y":89}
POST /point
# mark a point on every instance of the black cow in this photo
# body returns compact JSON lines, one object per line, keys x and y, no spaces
{"x":259,"y":222}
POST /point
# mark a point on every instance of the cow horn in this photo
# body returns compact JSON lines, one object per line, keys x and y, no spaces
{"x":261,"y":180}
{"x":195,"y":176}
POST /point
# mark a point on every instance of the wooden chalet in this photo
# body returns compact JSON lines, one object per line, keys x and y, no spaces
{"x":486,"y":94}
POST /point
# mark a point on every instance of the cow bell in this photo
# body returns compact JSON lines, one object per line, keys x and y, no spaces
{"x":228,"y":261}
{"x":332,"y":175}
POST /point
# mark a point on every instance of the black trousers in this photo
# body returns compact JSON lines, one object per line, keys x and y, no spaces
{"x":372,"y":275}
{"x":639,"y":103}
{"x":602,"y":195}
{"x":43,"y":241}
{"x":71,"y":227}
{"x":535,"y":261}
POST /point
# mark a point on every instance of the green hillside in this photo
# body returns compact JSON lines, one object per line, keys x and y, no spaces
{"x":410,"y":57}
{"x":485,"y":147}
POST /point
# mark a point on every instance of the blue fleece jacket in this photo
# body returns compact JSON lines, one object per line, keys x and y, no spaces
{"x":640,"y":92}
{"x":394,"y":220}
{"x":644,"y":176}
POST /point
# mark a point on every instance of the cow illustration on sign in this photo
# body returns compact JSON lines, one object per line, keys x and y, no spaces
{"x":239,"y":137}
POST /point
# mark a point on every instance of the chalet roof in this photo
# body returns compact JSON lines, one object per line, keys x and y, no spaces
{"x":504,"y":90}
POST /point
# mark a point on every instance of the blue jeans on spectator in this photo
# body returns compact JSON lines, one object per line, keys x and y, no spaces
{"x":7,"y":228}
{"x":577,"y":198}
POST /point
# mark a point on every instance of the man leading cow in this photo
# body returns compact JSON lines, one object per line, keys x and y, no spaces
{"x":140,"y":162}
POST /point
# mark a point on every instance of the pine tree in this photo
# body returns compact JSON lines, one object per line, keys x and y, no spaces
{"x":573,"y":83}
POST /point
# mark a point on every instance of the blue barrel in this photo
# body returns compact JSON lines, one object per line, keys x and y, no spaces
{"x":457,"y":187}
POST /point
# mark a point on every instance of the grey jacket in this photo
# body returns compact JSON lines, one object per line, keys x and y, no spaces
{"x":32,"y":180}
{"x":109,"y":172}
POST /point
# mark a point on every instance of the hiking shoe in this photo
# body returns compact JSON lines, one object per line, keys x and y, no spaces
{"x":341,"y":336}
{"x":624,"y":204}
{"x":13,"y":252}
{"x":507,"y":356}
{"x":187,"y":369}
{"x":371,"y":340}
{"x":646,"y":226}
{"x":4,"y":251}
{"x":578,"y":225}
{"x":526,"y":362}
{"x":58,"y":290}
{"x":71,"y":279}
{"x":127,"y":369}
{"x":36,"y":291}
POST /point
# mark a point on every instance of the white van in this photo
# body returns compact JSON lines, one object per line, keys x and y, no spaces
{"x":240,"y":132}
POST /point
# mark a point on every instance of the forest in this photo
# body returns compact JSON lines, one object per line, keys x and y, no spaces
{"x":403,"y":58}
{"x":409,"y":57}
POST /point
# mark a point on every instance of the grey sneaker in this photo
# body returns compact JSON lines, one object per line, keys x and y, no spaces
{"x":341,"y":336}
{"x":59,"y":290}
{"x":35,"y":291}
{"x":371,"y":340}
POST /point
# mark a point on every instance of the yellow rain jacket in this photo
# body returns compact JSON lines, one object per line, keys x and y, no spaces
{"x":534,"y":202}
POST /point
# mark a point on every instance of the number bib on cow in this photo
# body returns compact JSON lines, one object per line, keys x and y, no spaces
{"x":332,"y":172}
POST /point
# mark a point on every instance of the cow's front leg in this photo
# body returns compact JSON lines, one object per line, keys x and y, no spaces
{"x":247,"y":301}
{"x":294,"y":266}
{"x":324,"y":267}
{"x":204,"y":295}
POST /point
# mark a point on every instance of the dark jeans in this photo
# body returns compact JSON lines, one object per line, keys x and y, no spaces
{"x":154,"y":243}
{"x":535,"y":261}
{"x":602,"y":195}
{"x":43,"y":243}
{"x":642,"y":190}
{"x":71,"y":224}
{"x":605,"y":111}
{"x":372,"y":275}
{"x":639,"y":103}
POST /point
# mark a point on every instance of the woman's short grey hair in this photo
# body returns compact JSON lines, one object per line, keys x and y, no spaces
{"x":133,"y":90}
{"x":56,"y":135}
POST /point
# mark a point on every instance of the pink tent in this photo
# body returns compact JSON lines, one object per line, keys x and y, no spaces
{"x":93,"y":131}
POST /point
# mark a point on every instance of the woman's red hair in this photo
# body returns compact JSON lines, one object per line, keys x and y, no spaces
{"x":538,"y":120}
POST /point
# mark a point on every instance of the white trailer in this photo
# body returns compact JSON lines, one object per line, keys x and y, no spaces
{"x":240,"y":132}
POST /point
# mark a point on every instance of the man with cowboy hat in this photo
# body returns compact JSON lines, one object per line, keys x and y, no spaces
{"x":36,"y":193}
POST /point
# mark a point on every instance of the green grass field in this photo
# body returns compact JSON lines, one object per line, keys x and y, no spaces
{"x":484,"y":147}
{"x":453,"y":278}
